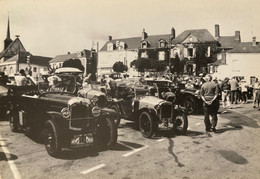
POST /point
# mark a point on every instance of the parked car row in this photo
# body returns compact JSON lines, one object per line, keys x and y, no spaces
{"x":66,"y":117}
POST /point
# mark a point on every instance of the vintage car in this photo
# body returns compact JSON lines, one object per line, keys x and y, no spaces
{"x":61,"y":117}
{"x":188,"y":98}
{"x":149,"y":112}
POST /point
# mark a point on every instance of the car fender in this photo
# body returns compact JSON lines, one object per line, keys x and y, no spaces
{"x":108,"y":112}
{"x":150,"y":110}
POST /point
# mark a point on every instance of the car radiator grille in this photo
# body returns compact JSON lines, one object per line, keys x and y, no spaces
{"x":79,"y":111}
{"x":166,"y":111}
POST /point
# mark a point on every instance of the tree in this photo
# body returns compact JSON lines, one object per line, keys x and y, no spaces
{"x":76,"y":63}
{"x":145,"y":64}
{"x":119,"y":67}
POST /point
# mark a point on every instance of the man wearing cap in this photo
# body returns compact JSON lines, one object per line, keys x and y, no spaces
{"x":209,"y":94}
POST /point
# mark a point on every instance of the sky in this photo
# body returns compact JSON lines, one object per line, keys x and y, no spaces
{"x":55,"y":27}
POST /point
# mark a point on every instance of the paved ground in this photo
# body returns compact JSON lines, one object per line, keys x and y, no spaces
{"x":233,"y":152}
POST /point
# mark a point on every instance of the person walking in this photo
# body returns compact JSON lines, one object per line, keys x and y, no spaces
{"x":234,"y":88}
{"x":209,"y":94}
{"x":243,"y":85}
{"x":225,"y":93}
{"x":256,"y":93}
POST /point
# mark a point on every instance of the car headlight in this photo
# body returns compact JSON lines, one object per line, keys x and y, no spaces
{"x":96,"y":111}
{"x":94,"y":99}
{"x":65,"y":112}
{"x":157,"y":107}
{"x":156,"y":94}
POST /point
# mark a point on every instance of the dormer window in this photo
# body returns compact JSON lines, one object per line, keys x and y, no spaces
{"x":110,"y":47}
{"x":121,"y":46}
{"x":162,"y":44}
{"x":144,"y":44}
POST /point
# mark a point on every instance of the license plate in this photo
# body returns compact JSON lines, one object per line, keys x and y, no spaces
{"x":82,"y":139}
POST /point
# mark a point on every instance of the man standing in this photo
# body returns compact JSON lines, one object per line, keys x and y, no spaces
{"x":234,"y":88}
{"x":209,"y":94}
{"x":21,"y":79}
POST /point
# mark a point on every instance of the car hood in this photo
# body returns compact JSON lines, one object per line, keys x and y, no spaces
{"x":152,"y":100}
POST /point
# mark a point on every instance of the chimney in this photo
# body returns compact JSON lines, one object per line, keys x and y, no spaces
{"x":109,"y":38}
{"x":144,"y":34}
{"x":254,"y":41}
{"x":217,"y":34}
{"x":237,"y":36}
{"x":172,"y":33}
{"x":68,"y":52}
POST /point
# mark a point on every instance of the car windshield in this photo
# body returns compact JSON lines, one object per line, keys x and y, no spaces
{"x":58,"y":83}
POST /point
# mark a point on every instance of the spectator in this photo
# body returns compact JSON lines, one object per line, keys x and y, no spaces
{"x":4,"y":78}
{"x":256,"y":93}
{"x":225,"y":88}
{"x":243,"y":86}
{"x":209,"y":94}
{"x":20,"y":79}
{"x":234,"y":88}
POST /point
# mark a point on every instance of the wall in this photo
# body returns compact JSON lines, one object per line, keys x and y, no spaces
{"x":240,"y":64}
{"x":106,"y":59}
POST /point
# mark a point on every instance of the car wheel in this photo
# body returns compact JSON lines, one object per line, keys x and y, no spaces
{"x":118,"y":118}
{"x":190,"y":105}
{"x":105,"y":136}
{"x":181,"y":123}
{"x":146,"y":124}
{"x":52,"y":138}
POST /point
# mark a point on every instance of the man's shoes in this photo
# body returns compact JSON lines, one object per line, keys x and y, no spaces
{"x":208,"y":130}
{"x":214,"y":130}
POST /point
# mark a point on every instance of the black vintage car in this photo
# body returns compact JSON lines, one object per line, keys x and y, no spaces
{"x":64,"y":119}
{"x":188,"y":98}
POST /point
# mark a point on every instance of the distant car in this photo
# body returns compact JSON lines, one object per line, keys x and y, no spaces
{"x":64,"y":119}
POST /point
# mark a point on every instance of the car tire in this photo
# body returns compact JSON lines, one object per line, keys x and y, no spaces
{"x":190,"y":104}
{"x":52,"y":138}
{"x":180,"y":123}
{"x":146,"y":124}
{"x":118,"y":118}
{"x":105,"y":136}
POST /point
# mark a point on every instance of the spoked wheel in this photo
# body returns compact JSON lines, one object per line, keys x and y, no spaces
{"x":189,"y":104}
{"x":105,"y":136}
{"x":146,"y":124}
{"x":118,"y":118}
{"x":52,"y":139}
{"x":181,"y":123}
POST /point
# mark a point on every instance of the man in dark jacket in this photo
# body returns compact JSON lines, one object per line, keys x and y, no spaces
{"x":209,"y":94}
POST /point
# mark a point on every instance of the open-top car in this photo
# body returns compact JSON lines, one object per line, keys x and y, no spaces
{"x":188,"y":98}
{"x":64,"y":119}
{"x":149,"y":112}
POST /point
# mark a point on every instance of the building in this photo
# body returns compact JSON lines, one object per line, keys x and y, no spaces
{"x":242,"y":61}
{"x":14,"y":57}
{"x":88,"y":59}
{"x":195,"y":49}
{"x":227,"y":43}
{"x":127,"y":50}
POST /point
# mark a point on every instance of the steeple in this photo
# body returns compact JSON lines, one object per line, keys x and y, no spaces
{"x":8,"y":40}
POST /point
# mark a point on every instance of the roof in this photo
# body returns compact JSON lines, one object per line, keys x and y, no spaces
{"x":246,"y":47}
{"x":154,"y":39}
{"x":227,"y":41}
{"x":35,"y":60}
{"x":12,"y":49}
{"x":131,"y":43}
{"x":202,"y":35}
{"x":62,"y":58}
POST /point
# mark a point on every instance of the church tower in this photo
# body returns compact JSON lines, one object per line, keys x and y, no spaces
{"x":8,"y":40}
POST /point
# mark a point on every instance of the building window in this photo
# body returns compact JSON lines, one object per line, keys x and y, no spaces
{"x":121,"y":46}
{"x":215,"y":69}
{"x":34,"y":69}
{"x":110,"y":47}
{"x":208,"y":52}
{"x":144,"y":55}
{"x":190,"y":52}
{"x":144,"y":45}
{"x":211,"y":70}
{"x":162,"y":55}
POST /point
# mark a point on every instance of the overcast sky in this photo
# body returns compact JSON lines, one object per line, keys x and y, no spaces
{"x":54,"y":27}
